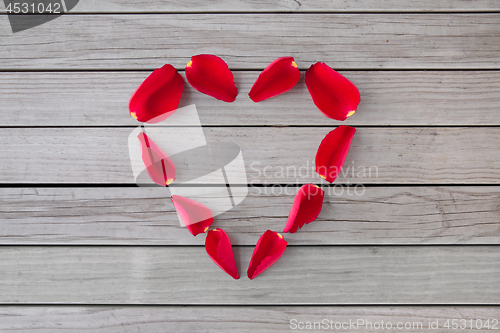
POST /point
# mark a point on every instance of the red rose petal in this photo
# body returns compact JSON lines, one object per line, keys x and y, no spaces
{"x":160,"y":168}
{"x":280,"y":76}
{"x":268,"y":250}
{"x":306,"y":207}
{"x":333,"y":94}
{"x":332,"y":152}
{"x":219,"y":249}
{"x":210,"y":75}
{"x":158,"y":96}
{"x":196,"y":217}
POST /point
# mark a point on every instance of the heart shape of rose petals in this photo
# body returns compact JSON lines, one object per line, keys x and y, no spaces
{"x":158,"y":97}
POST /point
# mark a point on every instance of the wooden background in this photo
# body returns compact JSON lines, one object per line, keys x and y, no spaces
{"x":82,"y":249}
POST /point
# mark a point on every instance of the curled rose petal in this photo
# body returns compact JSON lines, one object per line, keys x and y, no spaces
{"x":332,"y":152}
{"x":210,"y":75}
{"x":219,"y":249}
{"x":196,"y":217}
{"x":160,"y":168}
{"x":280,"y":76}
{"x":158,"y":96}
{"x":268,"y":250}
{"x":333,"y":94}
{"x":306,"y":207}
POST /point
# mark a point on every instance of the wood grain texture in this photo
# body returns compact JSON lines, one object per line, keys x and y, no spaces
{"x":316,"y":275}
{"x":226,"y":319}
{"x":252,"y":41}
{"x":388,"y":98}
{"x":377,"y":155}
{"x":325,"y":273}
{"x":145,"y":216}
{"x":200,"y":6}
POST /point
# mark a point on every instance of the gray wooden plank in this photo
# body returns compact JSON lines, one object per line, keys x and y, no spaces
{"x":303,"y":275}
{"x":377,"y":155}
{"x":145,"y":216}
{"x":252,"y":41}
{"x":200,"y":6}
{"x":388,"y":98}
{"x":221,"y":319}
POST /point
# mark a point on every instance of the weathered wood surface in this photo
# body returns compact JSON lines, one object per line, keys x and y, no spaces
{"x":145,"y":216}
{"x":252,"y":41}
{"x":200,"y":6}
{"x":222,"y":319}
{"x":303,"y":275}
{"x":362,"y":44}
{"x":433,"y":98}
{"x":377,"y":155}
